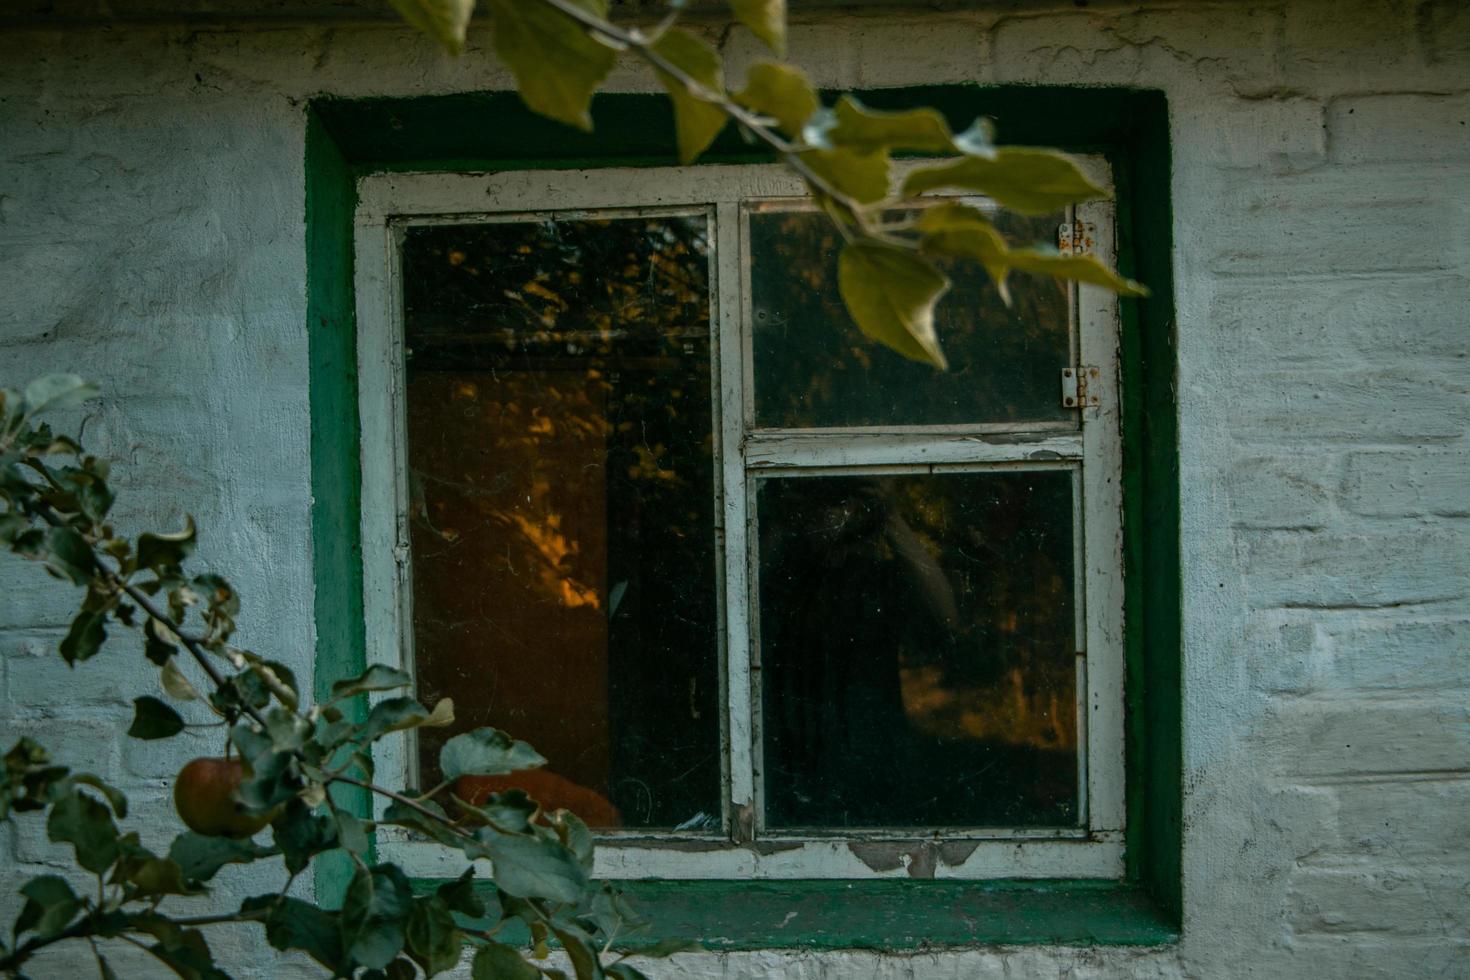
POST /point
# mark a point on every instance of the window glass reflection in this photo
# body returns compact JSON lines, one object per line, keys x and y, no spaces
{"x":813,"y":367}
{"x":561,"y":484}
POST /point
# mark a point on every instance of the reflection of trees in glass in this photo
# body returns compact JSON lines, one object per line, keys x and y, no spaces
{"x":920,"y":625}
{"x":814,"y":368}
{"x":561,"y":473}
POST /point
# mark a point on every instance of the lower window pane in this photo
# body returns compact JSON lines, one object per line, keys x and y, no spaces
{"x":918,"y":652}
{"x":562,"y":517}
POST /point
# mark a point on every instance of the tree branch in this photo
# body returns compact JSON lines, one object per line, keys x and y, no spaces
{"x":145,"y":603}
{"x":635,"y":41}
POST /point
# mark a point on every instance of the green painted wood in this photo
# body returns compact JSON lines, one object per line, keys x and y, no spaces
{"x":331,"y":198}
{"x":494,"y":131}
{"x":888,"y":914}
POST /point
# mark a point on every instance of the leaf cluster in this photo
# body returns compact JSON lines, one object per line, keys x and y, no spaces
{"x":561,"y":52}
{"x":54,"y":510}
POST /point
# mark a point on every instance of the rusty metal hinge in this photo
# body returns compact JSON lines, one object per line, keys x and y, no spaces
{"x":1076,"y":238}
{"x":1081,"y":387}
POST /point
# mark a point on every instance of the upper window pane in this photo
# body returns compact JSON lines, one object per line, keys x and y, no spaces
{"x":813,"y":368}
{"x":561,"y":506}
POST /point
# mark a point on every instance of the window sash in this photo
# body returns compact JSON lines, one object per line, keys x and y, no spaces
{"x":389,"y":202}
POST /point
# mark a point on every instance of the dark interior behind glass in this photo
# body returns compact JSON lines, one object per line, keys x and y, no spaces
{"x":918,"y":651}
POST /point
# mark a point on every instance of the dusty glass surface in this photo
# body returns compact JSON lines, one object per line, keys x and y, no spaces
{"x":814,"y":368}
{"x":917,"y":650}
{"x":561,"y":484}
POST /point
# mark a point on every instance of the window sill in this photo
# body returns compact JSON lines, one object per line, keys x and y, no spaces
{"x":891,"y":914}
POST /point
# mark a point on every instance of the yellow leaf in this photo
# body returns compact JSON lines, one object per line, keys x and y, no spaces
{"x":1024,"y":179}
{"x":557,"y":64}
{"x":766,"y":20}
{"x":1078,"y":268}
{"x":861,"y":176}
{"x":891,"y":293}
{"x":781,"y":92}
{"x":443,"y":20}
{"x":965,"y":232}
{"x":867,"y":131}
{"x":697,"y":121}
{"x":176,"y":684}
{"x":442,"y":715}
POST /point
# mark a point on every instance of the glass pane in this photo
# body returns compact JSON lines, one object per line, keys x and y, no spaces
{"x":561,"y":482}
{"x":917,"y":649}
{"x":814,"y":368}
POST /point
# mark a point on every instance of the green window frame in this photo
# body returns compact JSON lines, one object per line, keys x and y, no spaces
{"x":350,"y":139}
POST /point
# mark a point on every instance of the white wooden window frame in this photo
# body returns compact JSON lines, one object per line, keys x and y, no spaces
{"x":1089,"y":448}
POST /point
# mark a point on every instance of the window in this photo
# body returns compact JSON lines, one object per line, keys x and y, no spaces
{"x":773,"y":601}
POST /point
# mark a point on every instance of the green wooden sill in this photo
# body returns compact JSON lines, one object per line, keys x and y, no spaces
{"x":890,"y":914}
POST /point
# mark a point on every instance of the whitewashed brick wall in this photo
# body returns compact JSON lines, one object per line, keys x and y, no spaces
{"x":151,"y":237}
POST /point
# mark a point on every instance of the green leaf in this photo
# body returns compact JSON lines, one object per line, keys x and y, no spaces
{"x":576,"y":835}
{"x":92,"y":493}
{"x":510,"y":811}
{"x":200,"y":858}
{"x":459,"y":895}
{"x":377,"y":678}
{"x":277,"y":678}
{"x":69,"y":555}
{"x":85,"y":637}
{"x":375,"y":914}
{"x":626,"y":971}
{"x":351,"y":834}
{"x":56,"y":391}
{"x":158,"y":642}
{"x":1024,"y":179}
{"x":397,"y":714}
{"x":533,"y":867}
{"x":891,"y":293}
{"x":557,"y":65}
{"x":1079,"y":268}
{"x":302,"y":834}
{"x":12,"y":526}
{"x":766,"y":20}
{"x":187,"y":953}
{"x":154,"y":719}
{"x":399,"y":815}
{"x":781,"y":92}
{"x":288,"y":731}
{"x":115,"y":798}
{"x":272,"y":779}
{"x":579,"y":948}
{"x":861,"y":176}
{"x":668,"y":947}
{"x":868,"y":131}
{"x":446,"y":21}
{"x":294,"y":924}
{"x":696,"y":121}
{"x":496,"y":961}
{"x":50,"y":906}
{"x":175,"y":684}
{"x":164,"y":553}
{"x":160,"y":876}
{"x":81,"y":821}
{"x":486,"y":752}
{"x":433,"y":939}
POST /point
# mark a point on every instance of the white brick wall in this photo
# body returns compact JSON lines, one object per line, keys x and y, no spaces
{"x":151,"y":237}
